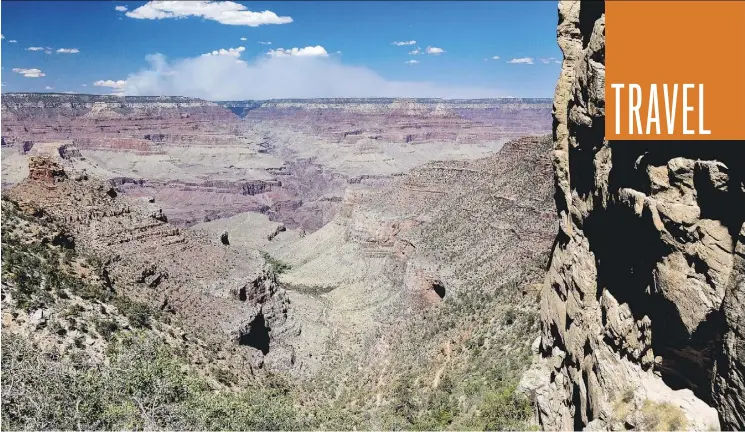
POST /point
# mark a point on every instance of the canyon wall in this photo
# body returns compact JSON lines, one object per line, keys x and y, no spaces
{"x":288,"y":159}
{"x":642,"y":308}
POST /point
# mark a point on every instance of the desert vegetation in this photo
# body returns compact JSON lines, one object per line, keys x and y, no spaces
{"x":82,"y":356}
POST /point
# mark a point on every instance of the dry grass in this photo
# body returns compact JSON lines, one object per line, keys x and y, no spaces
{"x":662,"y":416}
{"x":651,"y":416}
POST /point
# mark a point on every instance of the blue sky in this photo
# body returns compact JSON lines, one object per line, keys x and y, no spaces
{"x":349,"y":45}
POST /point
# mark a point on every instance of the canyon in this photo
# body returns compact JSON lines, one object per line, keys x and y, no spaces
{"x":289,"y":159}
{"x":490,"y":264}
{"x":345,"y":244}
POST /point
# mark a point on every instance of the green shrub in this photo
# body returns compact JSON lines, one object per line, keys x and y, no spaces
{"x":505,"y":410}
{"x":137,"y":313}
{"x":106,"y":328}
{"x":277,"y":266}
{"x":144,"y":385}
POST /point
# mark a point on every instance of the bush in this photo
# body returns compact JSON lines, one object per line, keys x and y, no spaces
{"x":505,"y":410}
{"x":277,"y":266}
{"x":144,"y":385}
{"x":106,"y":328}
{"x":137,"y":313}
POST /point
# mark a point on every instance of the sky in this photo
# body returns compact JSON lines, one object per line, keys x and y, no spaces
{"x":224,"y":50}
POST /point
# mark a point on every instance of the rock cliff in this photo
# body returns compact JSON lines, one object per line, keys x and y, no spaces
{"x":642,"y":308}
{"x":227,"y":297}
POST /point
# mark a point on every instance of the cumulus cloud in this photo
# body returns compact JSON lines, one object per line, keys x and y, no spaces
{"x":416,"y":51}
{"x":244,"y":39}
{"x":2,"y":36}
{"x":521,"y":60}
{"x":68,"y":51}
{"x":233,"y":52}
{"x":412,"y":62}
{"x":48,"y":88}
{"x":12,"y":41}
{"x":549,"y":60}
{"x":224,"y":12}
{"x":272,"y":77}
{"x":84,"y":85}
{"x":265,"y":42}
{"x":120,"y":8}
{"x":120,"y":84}
{"x":309,"y":51}
{"x":35,"y":48}
{"x":404,"y":43}
{"x":29,"y":73}
{"x":434,"y":50}
{"x":495,"y":58}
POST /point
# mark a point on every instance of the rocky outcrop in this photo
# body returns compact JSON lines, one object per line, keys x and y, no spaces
{"x":217,"y":290}
{"x":642,"y":303}
{"x":46,"y":170}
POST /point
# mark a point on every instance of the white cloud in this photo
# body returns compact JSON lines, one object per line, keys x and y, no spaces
{"x":69,"y":92}
{"x":495,"y":58}
{"x":233,"y":52}
{"x":121,"y":8}
{"x":244,"y":39}
{"x":48,"y":88}
{"x":557,"y":61}
{"x":111,"y":83}
{"x":416,"y":51}
{"x":12,"y":41}
{"x":404,"y":43}
{"x":84,"y":85}
{"x":521,"y":60}
{"x":265,"y":42}
{"x":35,"y":49}
{"x":2,"y":36}
{"x":309,"y":51}
{"x":434,"y":50}
{"x":267,"y":77}
{"x":548,"y":60}
{"x":224,"y":12}
{"x":29,"y":73}
{"x":68,"y":51}
{"x":412,"y":62}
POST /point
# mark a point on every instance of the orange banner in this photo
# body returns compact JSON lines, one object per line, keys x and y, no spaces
{"x":675,"y":69}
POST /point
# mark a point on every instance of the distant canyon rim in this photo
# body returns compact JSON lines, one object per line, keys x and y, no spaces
{"x":289,"y":159}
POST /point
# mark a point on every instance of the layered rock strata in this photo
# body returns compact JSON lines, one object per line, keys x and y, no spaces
{"x":227,"y":296}
{"x":643,"y":301}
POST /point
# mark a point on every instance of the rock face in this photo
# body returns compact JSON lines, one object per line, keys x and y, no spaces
{"x":643,"y":300}
{"x":218,"y":290}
